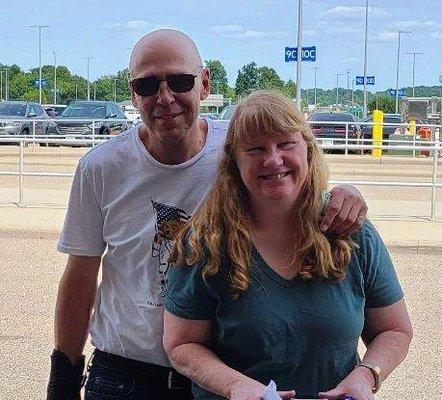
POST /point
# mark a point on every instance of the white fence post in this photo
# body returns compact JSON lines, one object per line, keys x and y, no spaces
{"x":346,"y":138}
{"x":21,"y":177}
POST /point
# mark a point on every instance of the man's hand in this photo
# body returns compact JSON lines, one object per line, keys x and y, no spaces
{"x":345,"y":212}
{"x":65,"y":378}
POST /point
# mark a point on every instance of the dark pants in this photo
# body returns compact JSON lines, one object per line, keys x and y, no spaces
{"x":113,"y":377}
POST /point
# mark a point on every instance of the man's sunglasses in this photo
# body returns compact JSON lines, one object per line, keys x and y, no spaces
{"x":178,"y":83}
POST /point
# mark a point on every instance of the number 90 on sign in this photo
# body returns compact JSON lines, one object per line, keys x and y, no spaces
{"x":307,"y":54}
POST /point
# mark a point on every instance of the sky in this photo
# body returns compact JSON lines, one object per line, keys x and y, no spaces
{"x":235,"y":32}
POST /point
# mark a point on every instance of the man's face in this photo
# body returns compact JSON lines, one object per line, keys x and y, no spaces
{"x":169,"y":115}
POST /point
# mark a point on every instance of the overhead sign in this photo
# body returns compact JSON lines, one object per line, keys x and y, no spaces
{"x":392,"y":92}
{"x":44,"y":82}
{"x":307,"y":54}
{"x":360,"y":80}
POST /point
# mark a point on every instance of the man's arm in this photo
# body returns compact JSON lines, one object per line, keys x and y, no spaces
{"x":76,"y":294}
{"x":345,"y":212}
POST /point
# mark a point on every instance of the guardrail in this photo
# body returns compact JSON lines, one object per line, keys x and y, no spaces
{"x":434,"y":148}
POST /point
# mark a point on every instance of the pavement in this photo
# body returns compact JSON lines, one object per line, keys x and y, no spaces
{"x":412,"y":232}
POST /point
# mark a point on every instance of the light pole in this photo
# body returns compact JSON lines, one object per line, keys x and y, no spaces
{"x":299,"y":56}
{"x":88,"y":83}
{"x":76,"y":91}
{"x":316,"y":68}
{"x":1,"y":84}
{"x":7,"y":83}
{"x":55,"y":78}
{"x":95,"y":91}
{"x":365,"y":59}
{"x":115,"y":89}
{"x":414,"y":64}
{"x":39,"y":27}
{"x":337,"y":88}
{"x":399,"y":33}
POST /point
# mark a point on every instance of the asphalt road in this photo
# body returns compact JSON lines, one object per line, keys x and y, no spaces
{"x":30,"y":269}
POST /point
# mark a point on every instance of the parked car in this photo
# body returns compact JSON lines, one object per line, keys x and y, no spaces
{"x":331,"y":133}
{"x":227,"y":112}
{"x":54,"y":110}
{"x":367,"y":130}
{"x":109,"y":115}
{"x":20,"y":117}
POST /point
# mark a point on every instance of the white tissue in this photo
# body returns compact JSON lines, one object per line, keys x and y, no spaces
{"x":271,"y":392}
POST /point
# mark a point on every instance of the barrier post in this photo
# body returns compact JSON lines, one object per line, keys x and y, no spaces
{"x":378,"y":122}
{"x":346,"y":138}
{"x":21,"y":177}
{"x":33,"y":136}
{"x":93,"y":133}
{"x":434,"y":181}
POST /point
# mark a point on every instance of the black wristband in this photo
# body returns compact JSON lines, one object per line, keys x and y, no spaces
{"x":65,"y":379}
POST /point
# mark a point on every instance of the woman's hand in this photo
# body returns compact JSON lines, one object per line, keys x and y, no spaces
{"x":249,"y":389}
{"x":358,"y":384}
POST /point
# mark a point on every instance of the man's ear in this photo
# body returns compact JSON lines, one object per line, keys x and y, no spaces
{"x":133,"y":97}
{"x":205,"y":82}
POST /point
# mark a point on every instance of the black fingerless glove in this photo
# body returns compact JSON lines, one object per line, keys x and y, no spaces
{"x":65,"y":379}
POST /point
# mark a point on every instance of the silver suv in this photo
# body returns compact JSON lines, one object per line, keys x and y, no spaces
{"x":20,"y":117}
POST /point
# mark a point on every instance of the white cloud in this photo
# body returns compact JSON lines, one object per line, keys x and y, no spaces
{"x":385,"y":36}
{"x":345,"y":12}
{"x":351,"y":60}
{"x":134,"y":25}
{"x":236,"y":31}
{"x":436,"y":35}
{"x":414,"y":24}
{"x":226,"y":28}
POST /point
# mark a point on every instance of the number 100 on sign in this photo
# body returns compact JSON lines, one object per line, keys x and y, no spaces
{"x":307,"y":54}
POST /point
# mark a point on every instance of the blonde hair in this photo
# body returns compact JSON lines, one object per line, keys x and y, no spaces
{"x":222,"y":224}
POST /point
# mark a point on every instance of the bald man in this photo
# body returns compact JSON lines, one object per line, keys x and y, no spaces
{"x":129,"y":197}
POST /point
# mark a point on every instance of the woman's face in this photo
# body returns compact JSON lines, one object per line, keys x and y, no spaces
{"x":274,"y":168}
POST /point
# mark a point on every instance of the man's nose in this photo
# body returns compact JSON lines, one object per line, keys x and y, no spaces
{"x":272,"y":157}
{"x":165,"y":96}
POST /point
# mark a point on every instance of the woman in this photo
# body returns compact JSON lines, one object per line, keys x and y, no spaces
{"x":262,"y":293}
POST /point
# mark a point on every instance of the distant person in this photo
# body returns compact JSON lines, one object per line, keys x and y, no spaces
{"x":260,"y":293}
{"x":129,"y":198}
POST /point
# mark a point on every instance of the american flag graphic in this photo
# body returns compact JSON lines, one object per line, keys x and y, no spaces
{"x":169,"y":221}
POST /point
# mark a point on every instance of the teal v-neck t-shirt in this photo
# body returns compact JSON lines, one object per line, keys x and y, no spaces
{"x":301,"y":334}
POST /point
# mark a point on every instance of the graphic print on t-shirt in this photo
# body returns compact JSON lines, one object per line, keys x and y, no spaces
{"x":169,"y":222}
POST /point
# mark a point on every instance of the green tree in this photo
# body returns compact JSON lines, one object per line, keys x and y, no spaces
{"x":247,"y":79}
{"x":218,"y":77}
{"x":268,"y":79}
{"x":384,"y":103}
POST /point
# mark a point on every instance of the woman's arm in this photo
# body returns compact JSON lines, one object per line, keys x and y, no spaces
{"x":186,"y":342}
{"x":387,"y":334}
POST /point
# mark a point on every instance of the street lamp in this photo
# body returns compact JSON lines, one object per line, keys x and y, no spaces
{"x":365,"y":59}
{"x":6,"y":83}
{"x":337,"y":88}
{"x":88,"y":83}
{"x":316,"y":68}
{"x":414,"y":64}
{"x":1,"y":84}
{"x":399,"y":33}
{"x":39,"y":27}
{"x":55,"y":78}
{"x":299,"y":56}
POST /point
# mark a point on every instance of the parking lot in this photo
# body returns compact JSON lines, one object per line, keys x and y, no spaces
{"x":31,"y":267}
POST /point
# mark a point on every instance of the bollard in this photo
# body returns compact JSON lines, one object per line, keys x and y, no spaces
{"x":378,"y":121}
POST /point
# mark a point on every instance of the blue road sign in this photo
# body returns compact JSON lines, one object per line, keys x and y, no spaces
{"x":307,"y":54}
{"x":392,"y":92}
{"x":44,"y":82}
{"x":360,"y":80}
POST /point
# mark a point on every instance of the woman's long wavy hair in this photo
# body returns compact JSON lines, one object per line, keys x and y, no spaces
{"x":222,"y":225}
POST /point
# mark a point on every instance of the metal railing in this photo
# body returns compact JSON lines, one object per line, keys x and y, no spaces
{"x":433,"y":148}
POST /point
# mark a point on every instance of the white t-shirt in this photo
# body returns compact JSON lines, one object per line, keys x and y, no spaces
{"x":124,"y":201}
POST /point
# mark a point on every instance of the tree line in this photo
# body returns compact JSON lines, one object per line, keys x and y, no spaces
{"x":250,"y":77}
